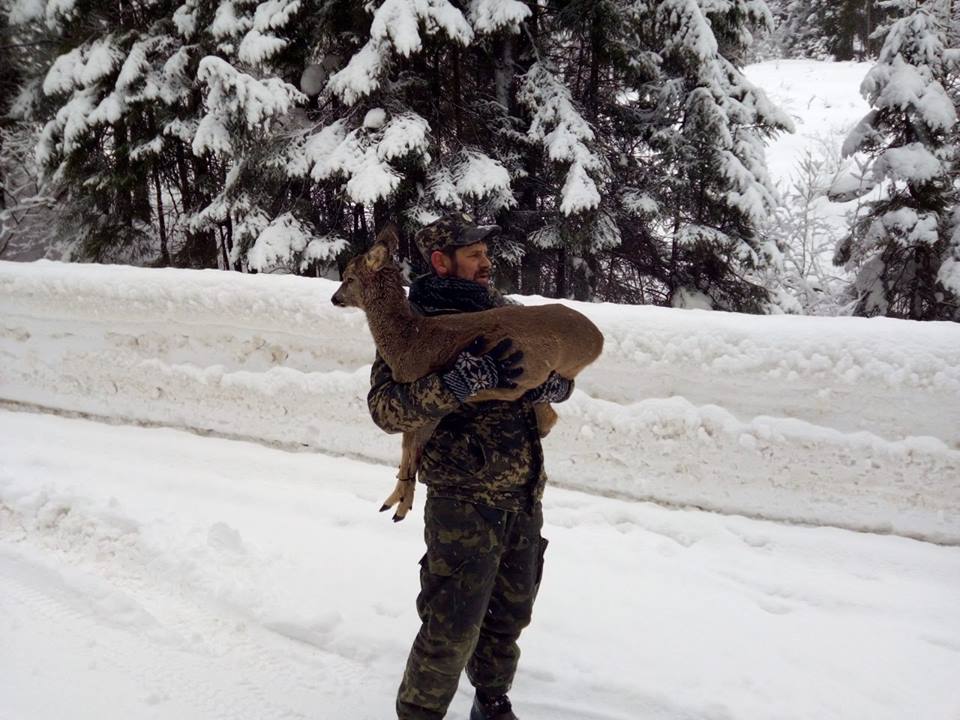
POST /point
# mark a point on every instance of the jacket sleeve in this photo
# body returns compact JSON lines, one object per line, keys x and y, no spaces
{"x":402,"y":407}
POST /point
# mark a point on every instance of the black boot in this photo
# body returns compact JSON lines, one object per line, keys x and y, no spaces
{"x":496,"y":707}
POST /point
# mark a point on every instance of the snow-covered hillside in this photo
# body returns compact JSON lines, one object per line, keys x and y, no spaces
{"x":822,"y":98}
{"x":840,"y":421}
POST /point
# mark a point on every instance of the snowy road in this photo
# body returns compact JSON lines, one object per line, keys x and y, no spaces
{"x":151,"y":573}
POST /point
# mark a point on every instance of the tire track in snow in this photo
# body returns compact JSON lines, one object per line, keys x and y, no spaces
{"x":218,"y":667}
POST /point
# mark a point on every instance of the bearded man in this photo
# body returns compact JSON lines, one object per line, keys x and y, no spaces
{"x":483,"y":468}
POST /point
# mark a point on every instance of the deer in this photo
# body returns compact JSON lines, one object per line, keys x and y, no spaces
{"x":552,"y":337}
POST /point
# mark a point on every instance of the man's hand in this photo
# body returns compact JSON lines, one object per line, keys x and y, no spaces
{"x":554,"y":389}
{"x":473,"y":372}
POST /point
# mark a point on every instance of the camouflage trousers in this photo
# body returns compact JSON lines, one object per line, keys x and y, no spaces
{"x":478,"y":580}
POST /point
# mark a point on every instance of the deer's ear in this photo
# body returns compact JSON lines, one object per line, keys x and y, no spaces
{"x":389,"y":236}
{"x":377,"y":256}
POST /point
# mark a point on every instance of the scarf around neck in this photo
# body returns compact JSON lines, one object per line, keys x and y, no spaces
{"x":435,"y":295}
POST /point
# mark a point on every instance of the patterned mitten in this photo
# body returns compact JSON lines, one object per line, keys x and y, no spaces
{"x":554,"y":389}
{"x":473,"y":373}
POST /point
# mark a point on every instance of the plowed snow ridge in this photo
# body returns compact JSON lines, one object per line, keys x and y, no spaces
{"x":842,"y":421}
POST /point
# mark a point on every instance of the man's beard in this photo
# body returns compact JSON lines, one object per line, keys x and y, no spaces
{"x":476,"y":278}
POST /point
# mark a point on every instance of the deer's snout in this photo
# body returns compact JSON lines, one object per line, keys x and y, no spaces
{"x":336,"y":300}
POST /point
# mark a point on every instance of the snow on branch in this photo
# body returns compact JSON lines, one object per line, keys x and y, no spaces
{"x":443,"y":188}
{"x":25,"y":11}
{"x":226,"y":22}
{"x":136,"y":64}
{"x":403,"y":135}
{"x":362,"y":74}
{"x":362,"y":156}
{"x":53,"y":12}
{"x":286,"y":242}
{"x":63,"y":132}
{"x":256,"y":47}
{"x":559,"y":127}
{"x":905,"y":226}
{"x":490,"y":16}
{"x":690,"y":29}
{"x":398,"y":22}
{"x":260,"y":43}
{"x":396,"y":28}
{"x":185,"y":19}
{"x":236,"y":96}
{"x":83,"y":67}
{"x":479,"y":176}
{"x":912,"y":162}
{"x":62,"y":75}
{"x":275,"y":14}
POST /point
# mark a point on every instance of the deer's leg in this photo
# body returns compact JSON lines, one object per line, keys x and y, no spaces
{"x":546,"y":418}
{"x":403,"y":492}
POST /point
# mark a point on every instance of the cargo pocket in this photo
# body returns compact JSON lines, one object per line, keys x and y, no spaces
{"x":540,"y":555}
{"x":457,"y":571}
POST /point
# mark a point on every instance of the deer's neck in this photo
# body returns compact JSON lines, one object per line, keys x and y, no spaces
{"x":392,"y":322}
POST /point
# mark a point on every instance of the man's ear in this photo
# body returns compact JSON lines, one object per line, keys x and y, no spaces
{"x":377,"y":256}
{"x":440,"y":263}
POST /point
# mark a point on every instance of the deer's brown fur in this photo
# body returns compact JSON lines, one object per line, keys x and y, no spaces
{"x":551,"y":337}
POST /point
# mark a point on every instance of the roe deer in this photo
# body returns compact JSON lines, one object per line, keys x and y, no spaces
{"x":552,"y":337}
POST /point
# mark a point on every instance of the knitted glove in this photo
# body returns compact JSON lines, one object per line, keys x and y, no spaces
{"x":554,"y":389}
{"x":473,"y":372}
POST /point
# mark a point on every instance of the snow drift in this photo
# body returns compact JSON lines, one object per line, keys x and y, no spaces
{"x":840,"y":421}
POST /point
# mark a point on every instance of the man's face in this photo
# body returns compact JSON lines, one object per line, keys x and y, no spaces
{"x":468,"y":263}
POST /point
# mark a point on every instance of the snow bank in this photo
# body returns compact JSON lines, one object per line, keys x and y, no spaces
{"x":840,"y":421}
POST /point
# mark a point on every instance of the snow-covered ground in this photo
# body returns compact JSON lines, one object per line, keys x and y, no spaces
{"x":151,"y":573}
{"x":841,"y":421}
{"x":824,"y":100}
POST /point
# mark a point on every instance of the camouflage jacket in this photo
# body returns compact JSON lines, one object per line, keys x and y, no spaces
{"x":488,"y":452}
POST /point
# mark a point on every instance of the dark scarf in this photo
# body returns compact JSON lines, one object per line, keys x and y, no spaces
{"x":435,"y":295}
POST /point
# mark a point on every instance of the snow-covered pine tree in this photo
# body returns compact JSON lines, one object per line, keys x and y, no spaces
{"x":498,"y":132}
{"x":699,"y":192}
{"x":564,"y":94}
{"x":244,"y":133}
{"x":396,"y":133}
{"x":807,"y":239}
{"x":85,"y":145}
{"x":28,"y":213}
{"x":565,"y":121}
{"x":842,"y":30}
{"x":904,"y":246}
{"x":167,"y":128}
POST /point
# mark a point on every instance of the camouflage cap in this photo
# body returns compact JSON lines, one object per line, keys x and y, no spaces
{"x":455,"y":229}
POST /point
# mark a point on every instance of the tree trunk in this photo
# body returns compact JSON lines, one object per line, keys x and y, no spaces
{"x":504,"y":72}
{"x":596,"y":57}
{"x":531,"y":272}
{"x":123,"y":202}
{"x":561,"y":273}
{"x":457,"y":95}
{"x":164,"y":251}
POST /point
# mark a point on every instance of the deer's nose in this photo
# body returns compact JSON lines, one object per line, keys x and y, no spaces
{"x":337,"y":301}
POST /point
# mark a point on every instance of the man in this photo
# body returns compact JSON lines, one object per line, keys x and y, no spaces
{"x":483,"y":468}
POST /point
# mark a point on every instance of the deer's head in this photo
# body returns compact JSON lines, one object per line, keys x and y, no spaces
{"x":360,"y":273}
